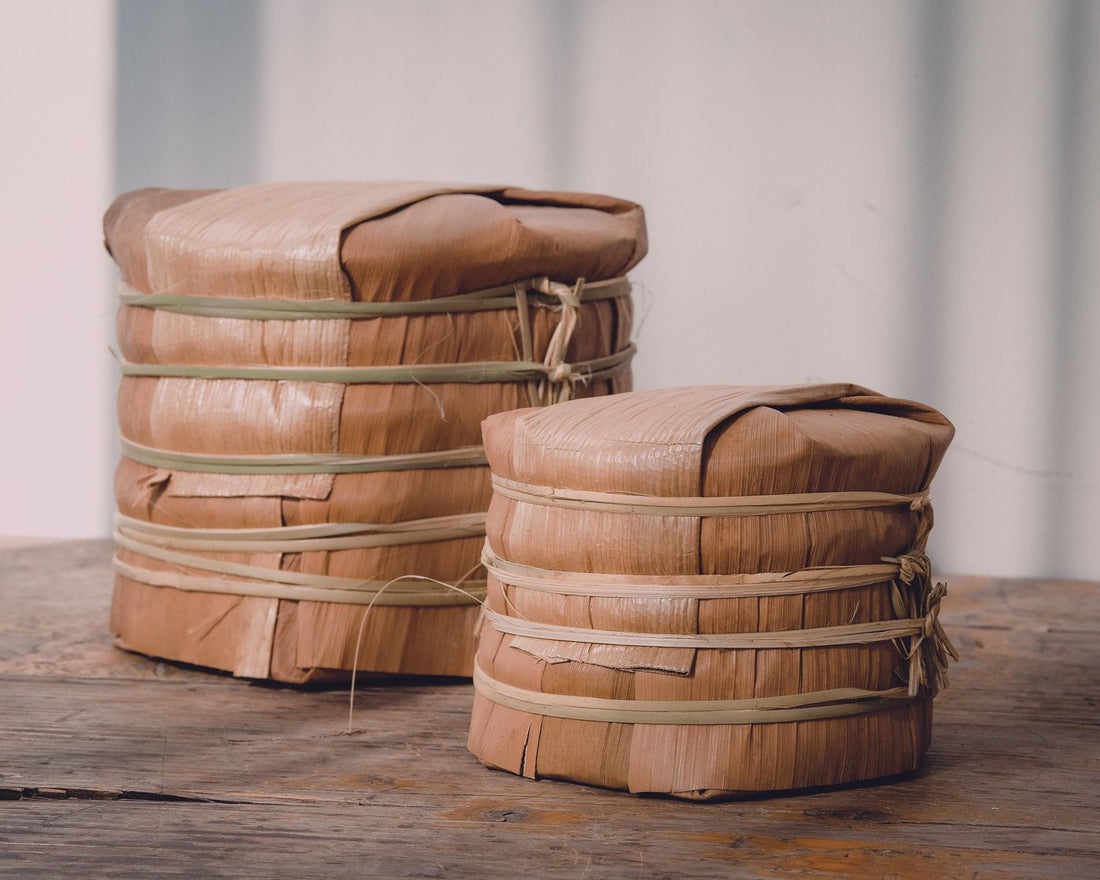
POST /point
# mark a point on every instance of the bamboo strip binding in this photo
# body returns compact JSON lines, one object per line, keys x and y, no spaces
{"x":297,"y":357}
{"x":657,"y":623}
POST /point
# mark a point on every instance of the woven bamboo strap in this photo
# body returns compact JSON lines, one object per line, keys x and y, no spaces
{"x":304,"y":538}
{"x":320,"y":463}
{"x":735,"y":505}
{"x":417,"y":592}
{"x":817,"y":637}
{"x":548,"y":381}
{"x":916,"y":631}
{"x":479,"y":372}
{"x":538,"y":292}
{"x":691,"y":586}
{"x":168,"y":543}
{"x":834,"y":703}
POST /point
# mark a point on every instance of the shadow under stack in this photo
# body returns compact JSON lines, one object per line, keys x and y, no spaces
{"x":709,"y":592}
{"x":305,"y":370}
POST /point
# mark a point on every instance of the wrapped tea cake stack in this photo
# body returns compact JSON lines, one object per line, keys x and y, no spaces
{"x":305,"y":370}
{"x":707,"y":592}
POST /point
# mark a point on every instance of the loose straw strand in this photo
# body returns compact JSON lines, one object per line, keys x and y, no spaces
{"x":526,"y":338}
{"x":370,"y":605}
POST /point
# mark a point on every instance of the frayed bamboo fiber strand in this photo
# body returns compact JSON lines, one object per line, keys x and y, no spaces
{"x":474,"y":597}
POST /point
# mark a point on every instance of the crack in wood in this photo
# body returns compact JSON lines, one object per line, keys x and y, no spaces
{"x":49,"y":792}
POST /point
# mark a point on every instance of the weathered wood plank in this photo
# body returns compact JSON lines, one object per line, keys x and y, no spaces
{"x":487,"y":838}
{"x":112,"y":764}
{"x":225,"y":740}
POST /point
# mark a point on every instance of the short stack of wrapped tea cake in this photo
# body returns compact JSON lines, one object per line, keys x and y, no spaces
{"x":706,"y":592}
{"x":305,"y":370}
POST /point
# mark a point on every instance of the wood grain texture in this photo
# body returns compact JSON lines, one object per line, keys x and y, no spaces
{"x":115,"y":765}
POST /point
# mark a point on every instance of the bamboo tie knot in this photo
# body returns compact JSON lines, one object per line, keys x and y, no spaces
{"x":932,"y":648}
{"x":912,"y":566}
{"x":562,"y":372}
{"x":932,"y":611}
{"x":560,"y":376}
{"x":554,"y":376}
{"x":566,"y":295}
{"x":922,"y":506}
{"x":929,"y":650}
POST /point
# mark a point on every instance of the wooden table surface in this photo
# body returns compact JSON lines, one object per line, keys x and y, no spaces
{"x":115,"y":765}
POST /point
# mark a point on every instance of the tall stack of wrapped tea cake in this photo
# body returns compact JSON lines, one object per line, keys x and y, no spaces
{"x":710,"y":591}
{"x":305,"y":370}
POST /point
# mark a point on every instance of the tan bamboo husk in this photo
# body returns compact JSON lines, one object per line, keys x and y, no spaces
{"x":663,"y":550}
{"x":202,"y":272}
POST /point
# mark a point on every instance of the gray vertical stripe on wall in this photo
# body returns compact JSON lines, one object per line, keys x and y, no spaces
{"x":187,"y":93}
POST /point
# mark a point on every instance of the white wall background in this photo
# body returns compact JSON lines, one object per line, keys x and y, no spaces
{"x":900,"y":194}
{"x":56,"y":318}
